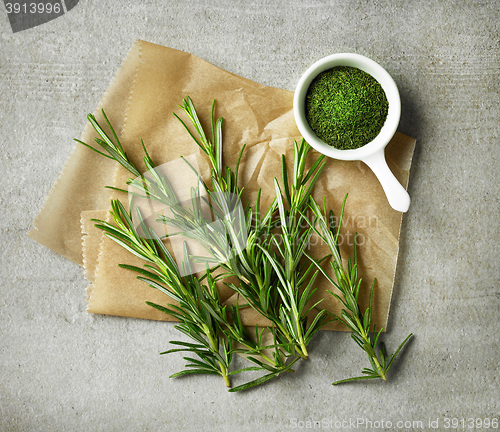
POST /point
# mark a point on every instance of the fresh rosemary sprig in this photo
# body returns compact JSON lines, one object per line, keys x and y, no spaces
{"x":256,"y":281}
{"x":194,"y":312}
{"x":281,"y":297}
{"x":114,"y":150}
{"x":244,"y":263}
{"x":348,"y":283}
{"x":274,"y":274}
{"x":214,"y":328}
{"x":295,"y":278}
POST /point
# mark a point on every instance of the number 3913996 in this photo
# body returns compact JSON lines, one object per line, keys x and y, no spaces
{"x":33,"y":8}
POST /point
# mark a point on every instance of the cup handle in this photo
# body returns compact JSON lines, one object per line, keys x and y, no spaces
{"x":396,"y":194}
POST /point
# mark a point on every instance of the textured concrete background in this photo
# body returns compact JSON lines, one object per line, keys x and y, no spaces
{"x":62,"y":369}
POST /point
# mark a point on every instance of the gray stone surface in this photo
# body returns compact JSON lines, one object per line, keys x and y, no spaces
{"x":63,"y":369}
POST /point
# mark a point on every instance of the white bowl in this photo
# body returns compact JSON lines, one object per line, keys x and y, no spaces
{"x":372,"y":153}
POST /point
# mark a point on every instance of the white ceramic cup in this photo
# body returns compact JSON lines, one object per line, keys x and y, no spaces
{"x":372,"y":154}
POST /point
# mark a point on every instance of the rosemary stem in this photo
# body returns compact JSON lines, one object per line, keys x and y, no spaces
{"x":366,"y":338}
{"x":215,"y":347}
{"x":266,"y":358}
{"x":300,"y":337}
{"x":224,"y":375}
{"x":260,"y":352}
{"x":303,"y":348}
{"x":379,"y":368}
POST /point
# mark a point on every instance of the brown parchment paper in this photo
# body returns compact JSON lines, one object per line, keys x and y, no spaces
{"x":80,"y":185}
{"x":146,"y":90}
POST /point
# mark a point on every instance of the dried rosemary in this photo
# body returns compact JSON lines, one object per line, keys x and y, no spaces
{"x":346,"y":107}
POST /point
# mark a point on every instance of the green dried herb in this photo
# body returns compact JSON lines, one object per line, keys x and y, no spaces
{"x":346,"y":107}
